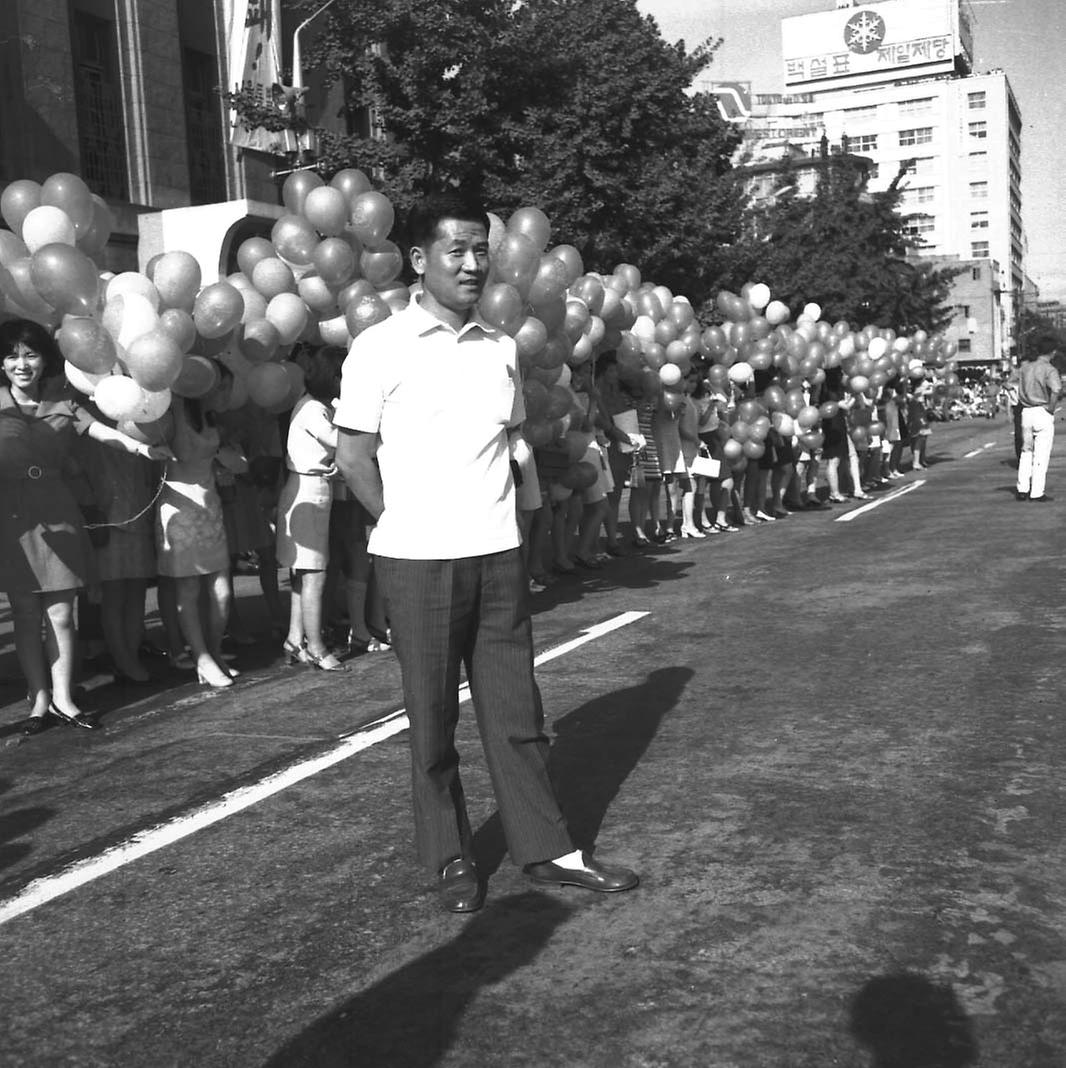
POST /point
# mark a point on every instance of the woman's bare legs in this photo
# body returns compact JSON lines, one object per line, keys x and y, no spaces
{"x":60,"y":644}
{"x":209,"y":669}
{"x":28,"y":612}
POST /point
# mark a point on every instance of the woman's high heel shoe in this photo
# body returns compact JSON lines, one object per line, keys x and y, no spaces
{"x":213,"y":676}
{"x":324,"y":662}
{"x":66,"y":717}
{"x":294,"y":654}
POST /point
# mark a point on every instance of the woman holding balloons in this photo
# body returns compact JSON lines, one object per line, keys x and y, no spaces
{"x":44,"y":549}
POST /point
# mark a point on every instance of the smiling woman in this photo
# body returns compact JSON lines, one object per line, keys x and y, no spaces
{"x":44,"y":549}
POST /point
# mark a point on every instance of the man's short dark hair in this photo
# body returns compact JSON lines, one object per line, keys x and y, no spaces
{"x":428,"y":213}
{"x":1044,"y":343}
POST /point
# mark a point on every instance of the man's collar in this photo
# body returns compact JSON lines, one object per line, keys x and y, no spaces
{"x":427,"y":322}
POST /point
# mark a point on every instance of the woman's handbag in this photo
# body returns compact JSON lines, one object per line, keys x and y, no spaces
{"x":705,"y":465}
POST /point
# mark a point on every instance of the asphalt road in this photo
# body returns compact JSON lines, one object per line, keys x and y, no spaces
{"x":833,"y":749}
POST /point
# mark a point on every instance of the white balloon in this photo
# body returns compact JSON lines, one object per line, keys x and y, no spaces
{"x":813,"y":311}
{"x":133,"y":282}
{"x":759,"y":296}
{"x":740,"y":373}
{"x":46,"y":225}
{"x":83,"y":381}
{"x":877,"y":348}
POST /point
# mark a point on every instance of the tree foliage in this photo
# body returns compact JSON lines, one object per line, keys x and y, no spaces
{"x":577,"y":106}
{"x":847,"y":249}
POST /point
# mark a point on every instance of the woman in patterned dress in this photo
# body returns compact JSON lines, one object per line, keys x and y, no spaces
{"x":191,"y":539}
{"x":44,"y":549}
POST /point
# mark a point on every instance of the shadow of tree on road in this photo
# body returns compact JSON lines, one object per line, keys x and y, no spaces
{"x":597,"y":745}
{"x":410,"y":1018}
{"x":907,"y":1021}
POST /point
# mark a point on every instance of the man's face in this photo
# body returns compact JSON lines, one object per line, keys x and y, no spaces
{"x":455,"y":265}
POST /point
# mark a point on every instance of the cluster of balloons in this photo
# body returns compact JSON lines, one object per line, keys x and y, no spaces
{"x":329,"y":271}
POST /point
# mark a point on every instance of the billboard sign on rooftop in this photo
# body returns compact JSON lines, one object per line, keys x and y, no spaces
{"x":877,"y":41}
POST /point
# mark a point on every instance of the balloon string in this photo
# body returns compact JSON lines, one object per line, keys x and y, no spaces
{"x":133,"y":518}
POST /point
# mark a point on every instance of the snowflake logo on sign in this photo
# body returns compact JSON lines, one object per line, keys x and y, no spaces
{"x":864,"y":32}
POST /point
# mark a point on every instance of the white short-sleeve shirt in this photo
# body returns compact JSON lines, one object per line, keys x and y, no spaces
{"x":441,"y":402}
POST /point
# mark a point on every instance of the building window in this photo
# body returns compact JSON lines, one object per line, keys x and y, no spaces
{"x":964,"y":344}
{"x":975,"y":101}
{"x":978,"y":220}
{"x":916,"y":107}
{"x":964,"y":310}
{"x":975,"y":274}
{"x":979,"y":159}
{"x":979,"y":249}
{"x":207,"y":171}
{"x":860,"y":114}
{"x":921,"y":136}
{"x":916,"y":225}
{"x":979,"y":190}
{"x":922,"y":165}
{"x":98,"y":105}
{"x":978,"y":130}
{"x":864,"y":143}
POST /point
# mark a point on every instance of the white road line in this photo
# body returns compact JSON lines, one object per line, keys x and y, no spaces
{"x":847,"y":517}
{"x":49,"y":887}
{"x":977,"y":452}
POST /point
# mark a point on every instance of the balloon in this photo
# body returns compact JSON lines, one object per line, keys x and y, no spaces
{"x":829,"y":409}
{"x":372,"y":217}
{"x":365,"y":312}
{"x":355,"y":291}
{"x":17,"y":201}
{"x":753,"y":449}
{"x":335,"y":332}
{"x":297,"y":186}
{"x":670,"y":374}
{"x":295,"y":239}
{"x":86,"y":345}
{"x":571,"y":260}
{"x":531,"y":337}
{"x":66,"y":279}
{"x":135,"y":283}
{"x":812,"y":311}
{"x":877,"y":347}
{"x":273,"y":276}
{"x":858,"y":384}
{"x":396,"y":295}
{"x":784,"y":424}
{"x":777,"y":313}
{"x":217,"y":310}
{"x":47,"y":225}
{"x":118,"y":397}
{"x":98,"y":233}
{"x":533,"y":224}
{"x":268,"y":384}
{"x":71,"y":195}
{"x":517,"y":262}
{"x":177,"y":280}
{"x":808,"y":417}
{"x":179,"y":325}
{"x":314,"y":292}
{"x":288,"y":314}
{"x":381,"y":265}
{"x":740,"y":374}
{"x":812,"y":440}
{"x":326,"y":209}
{"x":629,"y":274}
{"x":154,"y":361}
{"x":759,"y":296}
{"x":351,"y":183}
{"x":251,"y":251}
{"x":83,"y":381}
{"x":198,"y":377}
{"x":154,"y":432}
{"x":258,"y":340}
{"x":733,"y":450}
{"x":255,"y":304}
{"x":335,"y":261}
{"x":128,"y":316}
{"x":502,"y":307}
{"x":11,"y":248}
{"x":589,"y":289}
{"x":551,"y":281}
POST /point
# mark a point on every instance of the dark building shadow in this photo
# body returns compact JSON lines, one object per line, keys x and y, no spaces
{"x":596,"y":746}
{"x":907,"y":1021}
{"x":409,"y":1019}
{"x":17,"y":824}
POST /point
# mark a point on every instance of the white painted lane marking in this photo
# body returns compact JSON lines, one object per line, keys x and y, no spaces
{"x":977,"y":452}
{"x":49,"y":887}
{"x":847,"y":517}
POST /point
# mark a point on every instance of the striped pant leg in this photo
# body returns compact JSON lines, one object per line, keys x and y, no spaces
{"x":499,"y":661}
{"x":429,"y":605}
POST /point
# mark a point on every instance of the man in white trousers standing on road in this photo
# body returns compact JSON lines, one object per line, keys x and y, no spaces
{"x":1039,"y":388}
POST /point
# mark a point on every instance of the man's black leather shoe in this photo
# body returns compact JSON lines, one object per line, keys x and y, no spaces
{"x":592,"y":875}
{"x":460,"y":887}
{"x":1040,"y":500}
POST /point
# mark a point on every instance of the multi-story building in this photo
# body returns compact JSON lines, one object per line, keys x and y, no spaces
{"x":127,"y":95}
{"x":893,"y":81}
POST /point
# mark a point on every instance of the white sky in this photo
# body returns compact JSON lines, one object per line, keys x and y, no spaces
{"x":1025,"y":38}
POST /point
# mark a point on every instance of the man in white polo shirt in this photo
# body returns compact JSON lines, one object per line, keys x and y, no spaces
{"x":1039,"y":389}
{"x":428,"y":400}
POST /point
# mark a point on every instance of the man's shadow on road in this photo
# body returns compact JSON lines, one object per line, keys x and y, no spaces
{"x":410,"y":1018}
{"x":597,"y":745}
